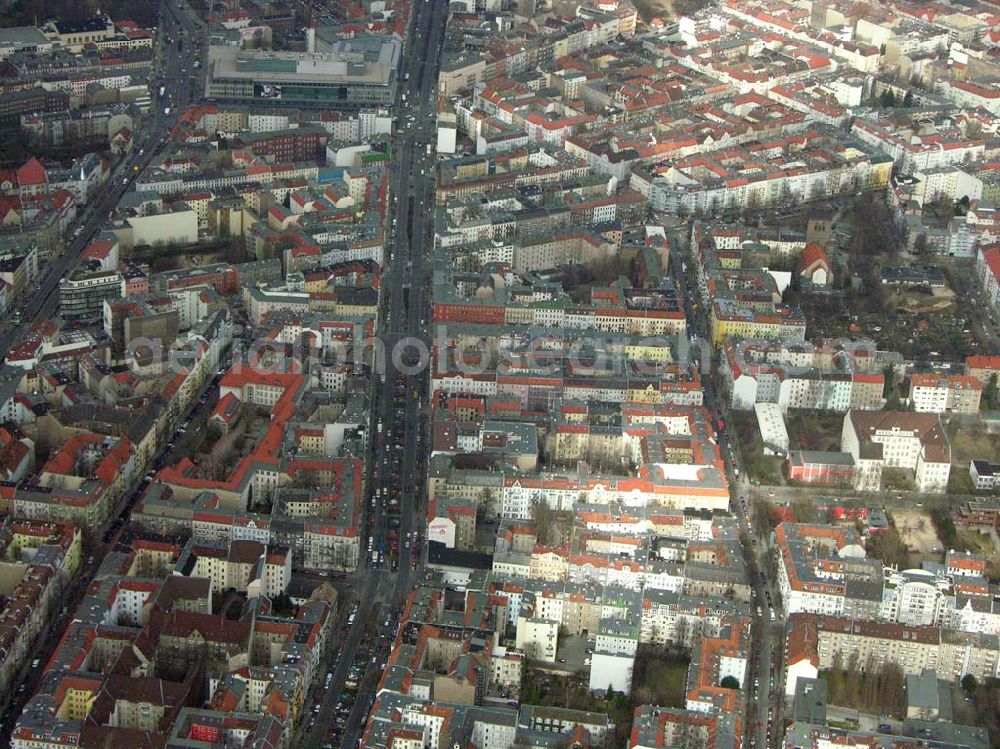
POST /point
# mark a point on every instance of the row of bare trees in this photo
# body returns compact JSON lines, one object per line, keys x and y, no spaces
{"x":869,"y":686}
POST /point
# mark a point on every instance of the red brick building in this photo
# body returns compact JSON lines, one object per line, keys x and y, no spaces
{"x":814,"y":467}
{"x":283,"y":146}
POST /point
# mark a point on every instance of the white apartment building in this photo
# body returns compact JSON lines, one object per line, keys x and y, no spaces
{"x":972,"y":95}
{"x":979,"y":615}
{"x":897,"y":439}
{"x":985,"y":474}
{"x":949,"y":182}
{"x":913,"y":154}
{"x":915,"y":598}
{"x":537,"y":638}
{"x":940,"y":394}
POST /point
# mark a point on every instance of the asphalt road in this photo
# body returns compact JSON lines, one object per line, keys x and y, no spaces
{"x":398,"y":460}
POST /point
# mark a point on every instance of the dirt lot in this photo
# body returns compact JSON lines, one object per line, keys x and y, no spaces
{"x":918,"y":301}
{"x":917,"y":531}
{"x":971,"y":443}
{"x":665,"y":9}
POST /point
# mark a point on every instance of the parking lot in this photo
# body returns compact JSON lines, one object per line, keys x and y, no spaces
{"x":574,"y":653}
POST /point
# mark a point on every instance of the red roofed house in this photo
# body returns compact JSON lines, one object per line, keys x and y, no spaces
{"x":10,"y":211}
{"x":8,"y":182}
{"x":227,"y":413}
{"x":16,"y":455}
{"x":801,"y":651}
{"x":982,"y":367}
{"x":121,"y":142}
{"x":814,"y":266}
{"x":103,"y":251}
{"x":32,"y":179}
{"x":965,"y":564}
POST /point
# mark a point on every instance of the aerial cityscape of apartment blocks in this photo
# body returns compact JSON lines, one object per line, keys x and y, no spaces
{"x":500,"y":375}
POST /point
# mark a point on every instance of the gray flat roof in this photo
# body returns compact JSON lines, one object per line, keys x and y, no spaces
{"x":22,"y":35}
{"x":343,"y":65}
{"x":821,"y":456}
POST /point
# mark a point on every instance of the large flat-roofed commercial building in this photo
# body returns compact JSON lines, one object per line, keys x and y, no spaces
{"x":357,"y":72}
{"x":23,"y":39}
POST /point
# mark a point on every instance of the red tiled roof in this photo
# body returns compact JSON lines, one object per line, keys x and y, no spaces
{"x":32,"y":173}
{"x":812,"y":253}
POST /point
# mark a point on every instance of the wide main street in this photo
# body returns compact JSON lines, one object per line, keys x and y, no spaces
{"x":398,"y":396}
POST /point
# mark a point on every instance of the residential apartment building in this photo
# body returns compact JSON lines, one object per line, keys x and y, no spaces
{"x":826,"y":640}
{"x":824,"y":570}
{"x":246,"y":566}
{"x":723,"y":180}
{"x":959,"y":394}
{"x":896,"y":439}
{"x":39,"y":560}
{"x":982,"y":367}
